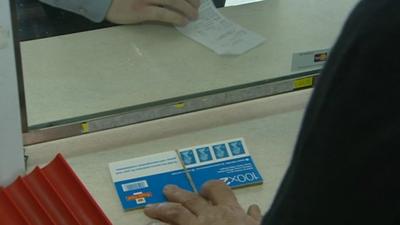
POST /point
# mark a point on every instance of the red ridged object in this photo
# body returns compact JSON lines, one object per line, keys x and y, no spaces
{"x":53,"y":195}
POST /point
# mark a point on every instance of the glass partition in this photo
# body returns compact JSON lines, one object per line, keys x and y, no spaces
{"x":82,"y":77}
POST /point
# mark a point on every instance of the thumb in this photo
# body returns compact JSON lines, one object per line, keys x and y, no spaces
{"x":254,"y":212}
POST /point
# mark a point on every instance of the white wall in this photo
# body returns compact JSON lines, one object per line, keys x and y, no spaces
{"x":11,"y":147}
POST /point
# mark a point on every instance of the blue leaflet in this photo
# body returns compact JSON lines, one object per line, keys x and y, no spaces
{"x":140,"y":181}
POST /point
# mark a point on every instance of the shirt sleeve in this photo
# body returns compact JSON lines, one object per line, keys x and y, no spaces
{"x":94,"y":10}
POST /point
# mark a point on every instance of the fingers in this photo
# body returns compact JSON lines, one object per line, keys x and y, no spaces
{"x":180,"y":6}
{"x":219,"y":193}
{"x":194,"y":3}
{"x":174,"y":213}
{"x":193,"y":202}
{"x":155,"y":13}
{"x":255,"y":212}
{"x":177,"y":12}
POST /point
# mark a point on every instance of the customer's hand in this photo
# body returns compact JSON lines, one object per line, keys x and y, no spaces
{"x":215,"y":205}
{"x":177,"y":12}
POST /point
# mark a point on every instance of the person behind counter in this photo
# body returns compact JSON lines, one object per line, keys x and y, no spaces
{"x":176,"y":12}
{"x":346,"y":163}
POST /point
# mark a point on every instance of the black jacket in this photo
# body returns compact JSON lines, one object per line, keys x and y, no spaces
{"x":346,"y":165}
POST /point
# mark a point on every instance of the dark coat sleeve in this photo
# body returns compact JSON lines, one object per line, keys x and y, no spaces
{"x":345,"y":168}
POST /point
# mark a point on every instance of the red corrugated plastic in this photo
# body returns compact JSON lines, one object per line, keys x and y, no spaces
{"x":53,"y":195}
{"x":8,"y":212}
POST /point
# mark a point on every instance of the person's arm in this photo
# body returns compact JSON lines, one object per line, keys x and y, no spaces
{"x":345,"y":168}
{"x":96,"y":10}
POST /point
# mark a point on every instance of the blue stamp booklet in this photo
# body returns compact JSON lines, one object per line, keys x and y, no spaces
{"x":139,"y":181}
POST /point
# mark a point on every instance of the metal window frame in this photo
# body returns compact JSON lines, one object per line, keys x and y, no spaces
{"x":81,"y":125}
{"x":168,"y":107}
{"x":11,"y":146}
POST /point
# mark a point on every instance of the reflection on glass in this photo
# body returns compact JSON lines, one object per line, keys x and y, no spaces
{"x":74,"y":67}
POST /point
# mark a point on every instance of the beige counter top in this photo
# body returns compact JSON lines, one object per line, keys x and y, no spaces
{"x":269,"y":127}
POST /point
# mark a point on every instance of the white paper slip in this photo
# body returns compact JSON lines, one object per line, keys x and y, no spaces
{"x":239,"y":2}
{"x":221,"y":35}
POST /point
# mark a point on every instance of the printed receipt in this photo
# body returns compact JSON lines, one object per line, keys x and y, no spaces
{"x":221,"y":35}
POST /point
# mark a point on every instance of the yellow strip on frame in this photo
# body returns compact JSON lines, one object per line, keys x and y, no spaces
{"x":303,"y":82}
{"x":85,"y":127}
{"x":180,"y":105}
